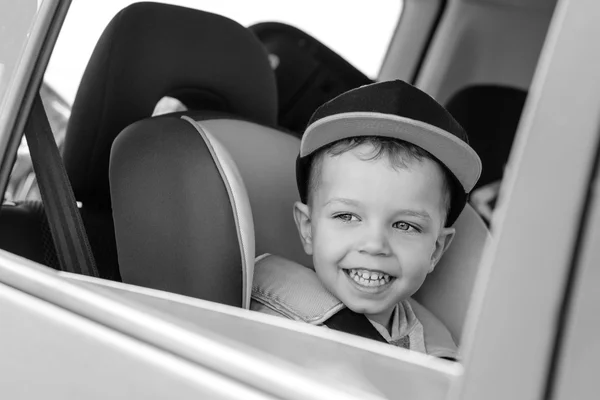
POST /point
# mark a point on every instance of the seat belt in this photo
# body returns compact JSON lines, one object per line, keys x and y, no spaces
{"x":66,"y":226}
{"x":348,"y":321}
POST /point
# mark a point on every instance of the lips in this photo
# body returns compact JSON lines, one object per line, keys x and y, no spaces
{"x":368,"y":278}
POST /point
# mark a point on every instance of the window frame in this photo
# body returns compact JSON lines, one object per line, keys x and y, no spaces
{"x":24,"y":84}
{"x":515,"y":325}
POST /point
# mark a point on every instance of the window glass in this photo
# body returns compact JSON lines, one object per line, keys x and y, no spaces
{"x":359,"y":34}
{"x":364,"y":48}
{"x":15,"y":24}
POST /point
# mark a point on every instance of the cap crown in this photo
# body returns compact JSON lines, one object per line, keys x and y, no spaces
{"x":395,"y":98}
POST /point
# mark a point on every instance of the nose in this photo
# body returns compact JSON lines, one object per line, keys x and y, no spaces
{"x":375,"y":242}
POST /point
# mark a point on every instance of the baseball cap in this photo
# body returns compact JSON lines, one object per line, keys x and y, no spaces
{"x":393,"y":109}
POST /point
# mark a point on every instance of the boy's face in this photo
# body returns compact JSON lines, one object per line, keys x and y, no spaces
{"x":374,"y":231}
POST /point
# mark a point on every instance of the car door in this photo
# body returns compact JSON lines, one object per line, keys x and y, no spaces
{"x":520,"y":326}
{"x":532,"y":330}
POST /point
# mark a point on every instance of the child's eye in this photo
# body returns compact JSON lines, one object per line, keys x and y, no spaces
{"x":345,"y":217}
{"x":404,"y":226}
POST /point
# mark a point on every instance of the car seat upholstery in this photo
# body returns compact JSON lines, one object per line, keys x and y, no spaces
{"x":447,"y":290}
{"x":170,"y":222}
{"x":308,"y":73}
{"x":266,"y":157}
{"x":182,"y":215}
{"x":149,"y":51}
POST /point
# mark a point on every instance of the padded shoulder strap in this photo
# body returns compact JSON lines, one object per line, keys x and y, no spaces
{"x":285,"y":288}
{"x":292,"y":290}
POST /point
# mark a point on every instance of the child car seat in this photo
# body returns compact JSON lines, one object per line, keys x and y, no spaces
{"x":172,"y":219}
{"x":182,"y":215}
{"x":146,"y":52}
{"x":172,"y":226}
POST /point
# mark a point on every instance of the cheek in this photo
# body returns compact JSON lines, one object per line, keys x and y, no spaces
{"x":415,"y":264}
{"x":329,"y":244}
{"x":415,"y":256}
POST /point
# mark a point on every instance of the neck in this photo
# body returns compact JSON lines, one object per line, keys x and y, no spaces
{"x":383,"y":318}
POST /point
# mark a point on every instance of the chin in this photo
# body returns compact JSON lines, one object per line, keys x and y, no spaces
{"x":367,"y":307}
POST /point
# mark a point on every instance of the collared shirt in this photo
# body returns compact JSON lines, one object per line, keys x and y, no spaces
{"x":406,"y":330}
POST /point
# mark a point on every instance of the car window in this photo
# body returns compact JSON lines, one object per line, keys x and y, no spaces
{"x":358,"y":33}
{"x":15,"y":23}
{"x":364,"y":48}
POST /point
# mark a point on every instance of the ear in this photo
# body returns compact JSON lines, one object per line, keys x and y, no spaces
{"x":303,"y":223}
{"x":441,"y":245}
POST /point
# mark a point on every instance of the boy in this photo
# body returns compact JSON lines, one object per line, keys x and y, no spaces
{"x":383,"y":173}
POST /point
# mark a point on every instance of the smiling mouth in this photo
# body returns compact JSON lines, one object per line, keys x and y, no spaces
{"x":370,"y":279}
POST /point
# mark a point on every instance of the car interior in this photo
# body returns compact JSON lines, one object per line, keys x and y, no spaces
{"x":184,"y":201}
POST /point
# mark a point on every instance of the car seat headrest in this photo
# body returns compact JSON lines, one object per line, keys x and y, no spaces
{"x":183,"y":222}
{"x":447,"y":290}
{"x":266,"y":158}
{"x":152,"y":50}
{"x":490,"y":114}
{"x":308,"y":73}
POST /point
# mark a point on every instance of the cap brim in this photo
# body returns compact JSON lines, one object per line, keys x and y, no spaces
{"x":454,"y":153}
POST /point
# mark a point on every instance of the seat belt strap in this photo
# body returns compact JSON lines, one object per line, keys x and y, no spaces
{"x":66,"y":226}
{"x":348,"y":321}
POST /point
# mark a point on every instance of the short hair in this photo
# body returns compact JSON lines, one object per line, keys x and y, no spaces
{"x":397,"y":152}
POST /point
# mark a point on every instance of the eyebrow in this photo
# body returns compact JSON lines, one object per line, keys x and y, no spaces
{"x":419,"y":214}
{"x":343,"y":201}
{"x":406,"y":212}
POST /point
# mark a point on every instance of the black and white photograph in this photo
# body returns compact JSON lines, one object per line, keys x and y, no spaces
{"x":299,"y":199}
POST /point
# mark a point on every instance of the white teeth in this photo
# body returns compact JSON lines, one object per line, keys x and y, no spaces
{"x":374,"y":276}
{"x":369,"y":278}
